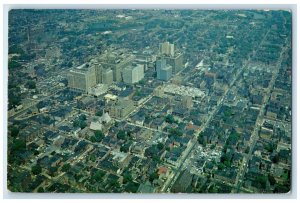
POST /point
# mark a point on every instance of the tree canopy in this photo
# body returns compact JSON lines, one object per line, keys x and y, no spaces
{"x":31,"y":84}
{"x":36,"y":169}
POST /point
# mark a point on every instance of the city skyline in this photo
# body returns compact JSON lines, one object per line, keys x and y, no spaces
{"x":149,"y":101}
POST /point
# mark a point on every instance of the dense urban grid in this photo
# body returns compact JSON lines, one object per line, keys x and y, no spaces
{"x":149,"y":101}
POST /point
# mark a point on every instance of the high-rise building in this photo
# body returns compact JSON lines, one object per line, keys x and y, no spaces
{"x":133,"y":74}
{"x":98,"y":70}
{"x":116,"y":62}
{"x":174,"y":59}
{"x":176,"y":62}
{"x":146,"y":58}
{"x":107,"y":76}
{"x":82,"y":78}
{"x":164,"y":71}
{"x":161,"y":63}
{"x":167,"y":49}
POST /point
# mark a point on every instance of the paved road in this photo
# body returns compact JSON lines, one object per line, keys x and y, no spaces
{"x":254,"y":136}
{"x":17,"y":114}
{"x":172,"y":180}
{"x":187,"y":152}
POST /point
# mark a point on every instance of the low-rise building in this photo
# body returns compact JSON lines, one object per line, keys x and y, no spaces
{"x":121,"y":108}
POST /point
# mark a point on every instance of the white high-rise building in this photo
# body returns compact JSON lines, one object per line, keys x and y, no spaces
{"x":133,"y":74}
{"x":107,"y":76}
{"x":82,"y":78}
{"x":98,"y":70}
{"x":167,"y":49}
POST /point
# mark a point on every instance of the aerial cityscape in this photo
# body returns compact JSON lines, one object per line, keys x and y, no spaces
{"x":149,"y":101}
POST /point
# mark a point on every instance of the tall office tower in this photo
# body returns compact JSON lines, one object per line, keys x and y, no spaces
{"x":139,"y":71}
{"x":133,"y":74}
{"x":164,"y":71}
{"x":160,"y":64}
{"x":146,"y":58}
{"x":98,"y":70}
{"x":82,"y":78}
{"x":116,"y":62}
{"x":107,"y":76}
{"x":167,"y":49}
{"x":176,"y":62}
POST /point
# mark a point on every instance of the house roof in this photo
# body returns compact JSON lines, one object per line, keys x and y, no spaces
{"x":191,"y":127}
{"x":162,"y":170}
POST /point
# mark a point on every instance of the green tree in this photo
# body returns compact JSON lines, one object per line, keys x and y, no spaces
{"x":18,"y":145}
{"x":98,"y":175}
{"x":76,"y":123}
{"x":275,"y":159}
{"x":37,"y":169}
{"x":82,"y":124}
{"x":14,"y":131}
{"x":175,"y":132}
{"x":226,"y":159}
{"x":221,"y":166}
{"x":160,"y":146}
{"x":262,"y":180}
{"x":31,"y":84}
{"x":233,"y":138}
{"x":137,"y":93}
{"x":99,"y":113}
{"x":121,"y":135}
{"x":142,"y":82}
{"x":247,"y":150}
{"x":66,"y":167}
{"x":14,"y":65}
{"x":127,"y":177}
{"x":114,"y":183}
{"x":153,"y":176}
{"x":14,"y":99}
{"x":201,"y":139}
{"x":98,"y":135}
{"x":271,"y":179}
{"x":82,"y":117}
{"x":124,"y":148}
{"x":93,"y":138}
{"x":93,"y":157}
{"x":269,"y":147}
{"x":170,"y":119}
{"x":15,"y":49}
{"x":52,"y":170}
{"x":213,"y":189}
{"x":41,"y":190}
